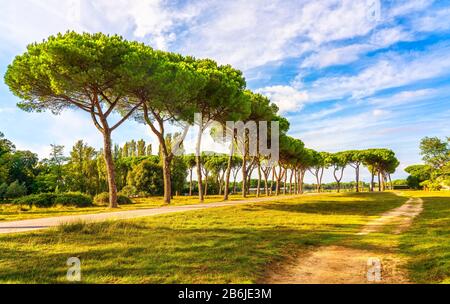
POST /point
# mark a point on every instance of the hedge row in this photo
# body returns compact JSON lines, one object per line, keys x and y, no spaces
{"x":75,"y":199}
{"x":103,"y":199}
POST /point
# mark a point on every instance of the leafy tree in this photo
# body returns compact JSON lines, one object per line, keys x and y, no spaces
{"x":355,"y":159}
{"x":190,"y":164}
{"x":83,"y":71}
{"x":146,"y":176}
{"x":165,"y":84}
{"x":435,"y":152}
{"x":338,"y":161}
{"x":56,"y":162}
{"x":417,"y":175}
{"x":20,"y":166}
{"x":320,"y":161}
{"x":16,"y":189}
{"x":3,"y":190}
{"x":6,"y":146}
{"x":220,"y":99}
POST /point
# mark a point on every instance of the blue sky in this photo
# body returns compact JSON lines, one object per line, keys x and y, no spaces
{"x":350,"y":74}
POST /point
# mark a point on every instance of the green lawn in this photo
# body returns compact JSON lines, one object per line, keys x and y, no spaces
{"x":218,"y":245}
{"x":427,"y":243}
{"x":13,"y":212}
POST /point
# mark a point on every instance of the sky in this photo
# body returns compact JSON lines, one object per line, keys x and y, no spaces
{"x":348,"y":74}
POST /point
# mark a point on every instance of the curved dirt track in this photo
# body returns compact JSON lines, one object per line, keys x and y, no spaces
{"x":345,"y":265}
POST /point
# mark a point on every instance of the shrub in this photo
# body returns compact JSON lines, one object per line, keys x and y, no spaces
{"x":103,"y":199}
{"x":129,"y":191}
{"x":38,"y":200}
{"x":3,"y":189}
{"x":16,"y":189}
{"x":76,"y":199}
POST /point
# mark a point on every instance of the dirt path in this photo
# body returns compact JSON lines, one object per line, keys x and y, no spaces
{"x":345,"y":265}
{"x":47,"y":222}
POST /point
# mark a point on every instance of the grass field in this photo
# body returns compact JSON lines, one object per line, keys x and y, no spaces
{"x":13,"y":212}
{"x":219,"y":245}
{"x":427,"y":243}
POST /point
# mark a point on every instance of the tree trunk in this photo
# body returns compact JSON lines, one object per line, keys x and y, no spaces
{"x":244,"y":177}
{"x":190,"y":182}
{"x":290,"y":181}
{"x":167,"y":180}
{"x":372,"y":181}
{"x":266,"y":182}
{"x":199,"y":165}
{"x":390,"y":182}
{"x":357,"y":177}
{"x":379,"y":181}
{"x":272,"y":181}
{"x":258,"y":191}
{"x":110,"y":169}
{"x":226,"y":189}
{"x":300,"y":180}
{"x":206,"y":185}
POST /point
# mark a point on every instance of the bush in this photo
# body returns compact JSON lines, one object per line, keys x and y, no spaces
{"x":51,"y":199}
{"x":76,"y":199}
{"x":129,"y":191}
{"x":3,"y":189}
{"x":102,"y":199}
{"x":38,"y":200}
{"x":16,"y":189}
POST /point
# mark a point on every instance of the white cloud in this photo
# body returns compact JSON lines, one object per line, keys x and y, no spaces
{"x":327,"y":56}
{"x":390,"y":71}
{"x":403,"y":97}
{"x":433,"y":21}
{"x":405,"y":7}
{"x":286,"y":98}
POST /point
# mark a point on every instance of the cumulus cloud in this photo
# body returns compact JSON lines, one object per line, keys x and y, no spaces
{"x":329,"y":56}
{"x":287,"y":98}
{"x":389,"y":71}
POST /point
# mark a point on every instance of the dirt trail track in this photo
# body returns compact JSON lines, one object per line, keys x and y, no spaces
{"x":345,"y":265}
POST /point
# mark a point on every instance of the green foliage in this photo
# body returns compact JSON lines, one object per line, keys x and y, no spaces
{"x":6,"y":146}
{"x":37,"y":200}
{"x":3,"y":190}
{"x":435,"y":152}
{"x":102,"y":199}
{"x":129,"y":191}
{"x":417,"y":175}
{"x":16,"y":189}
{"x":146,"y":177}
{"x":76,"y":199}
{"x":51,"y":199}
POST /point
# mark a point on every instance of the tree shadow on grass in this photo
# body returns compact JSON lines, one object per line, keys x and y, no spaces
{"x":225,"y":255}
{"x":361,"y":204}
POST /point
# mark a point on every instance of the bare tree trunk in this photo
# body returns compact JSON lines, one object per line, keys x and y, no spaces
{"x":166,"y":178}
{"x":357,"y":177}
{"x":190,"y":182}
{"x":390,"y":182}
{"x":110,"y":169}
{"x":266,"y":182}
{"x":226,"y":189}
{"x":199,"y":165}
{"x":379,"y":181}
{"x":372,"y":181}
{"x":300,"y":181}
{"x":206,"y":184}
{"x":290,"y":181}
{"x":244,"y":176}
{"x":258,"y":191}
{"x":285,"y":181}
{"x":271,"y":183}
